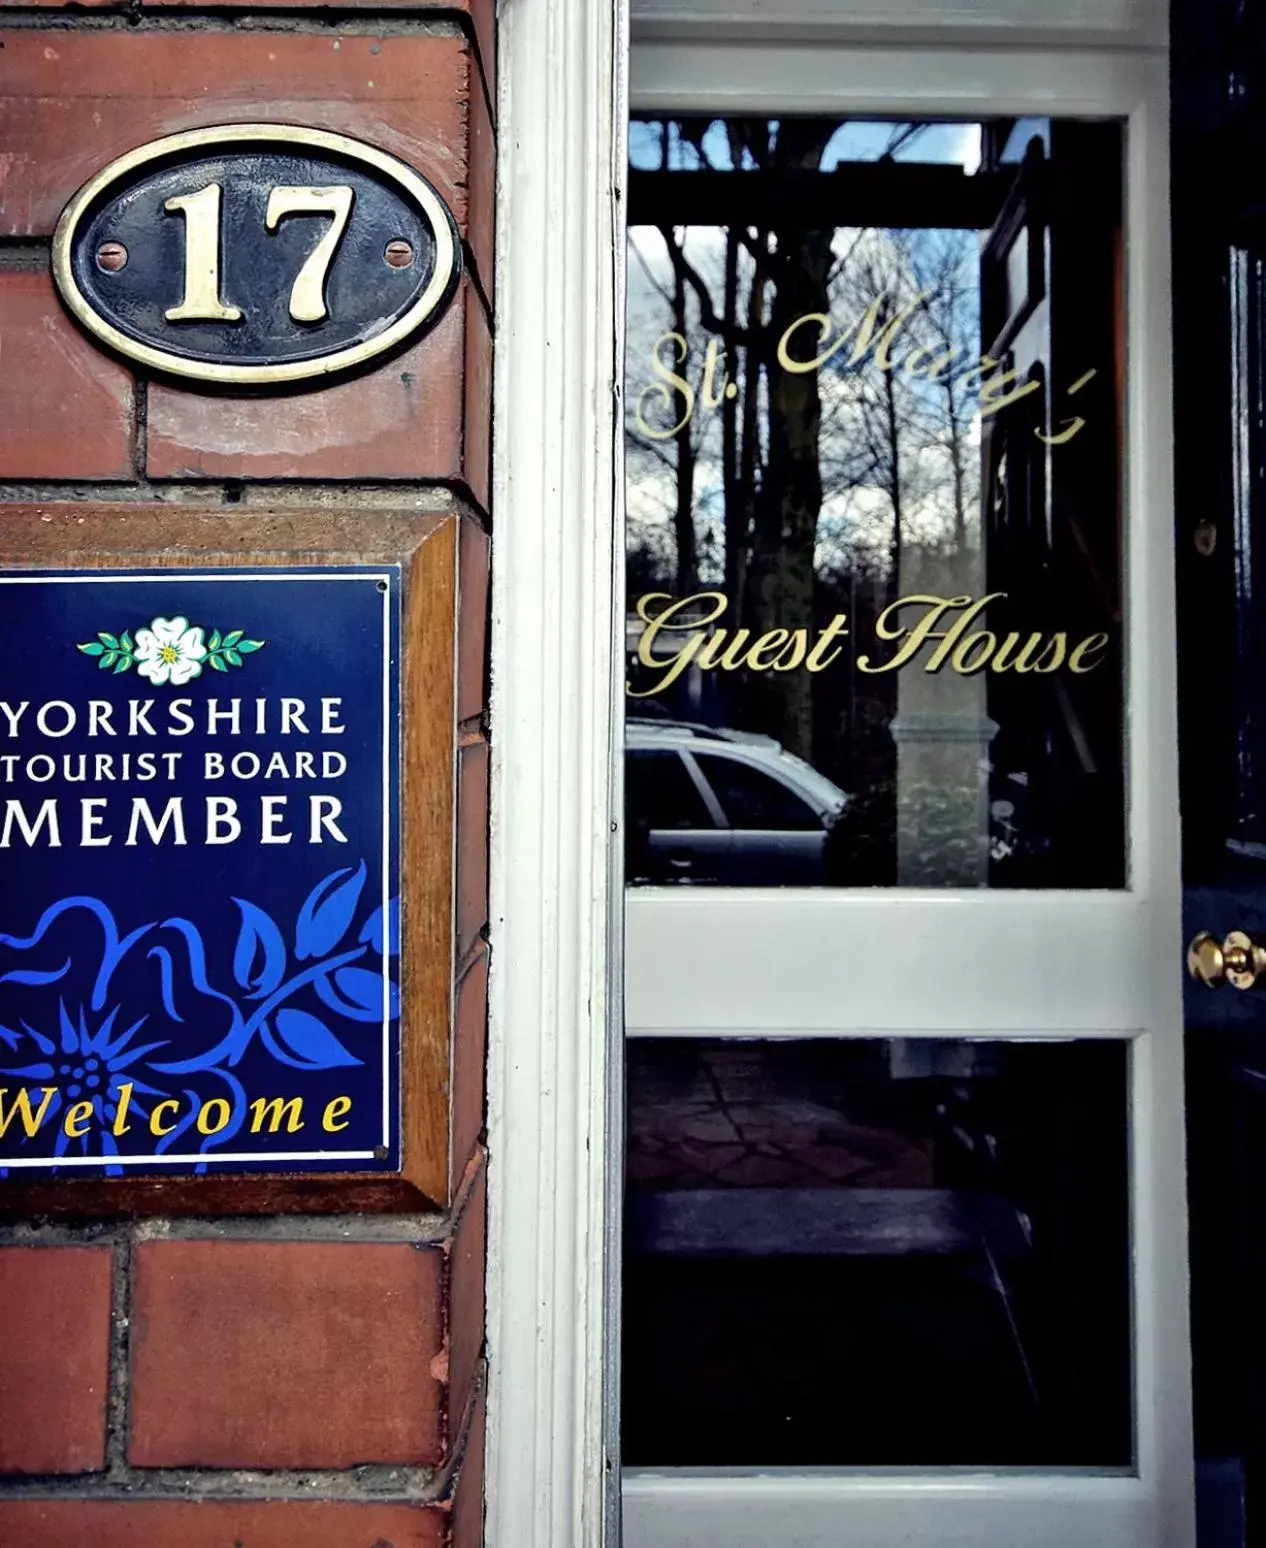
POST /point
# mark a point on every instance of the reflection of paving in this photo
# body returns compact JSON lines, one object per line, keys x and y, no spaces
{"x":812,"y":1223}
{"x":757,"y":1116}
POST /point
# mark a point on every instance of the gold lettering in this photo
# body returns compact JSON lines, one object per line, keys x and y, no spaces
{"x":1002,"y":660}
{"x":962,"y":662}
{"x":990,"y":402}
{"x":888,"y":627}
{"x":950,"y":624}
{"x":666,"y":384}
{"x":1093,"y":643}
{"x":996,"y":388}
{"x":864,"y":328}
{"x":883,"y":349}
{"x":1057,"y":648}
{"x":793,"y":655}
{"x":1070,"y":428}
{"x":656,"y":622}
{"x":836,"y":629}
{"x":714,"y":652}
{"x":959,"y":628}
{"x":986,"y":364}
{"x":803,"y":367}
{"x":733,"y":654}
{"x":712,"y":395}
{"x":914,"y":638}
{"x":772,"y":642}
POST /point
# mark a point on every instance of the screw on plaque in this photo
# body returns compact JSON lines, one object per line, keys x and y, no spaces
{"x":399,"y":254}
{"x":112,"y":256}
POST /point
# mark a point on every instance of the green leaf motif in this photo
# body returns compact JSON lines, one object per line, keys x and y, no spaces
{"x":119,"y":651}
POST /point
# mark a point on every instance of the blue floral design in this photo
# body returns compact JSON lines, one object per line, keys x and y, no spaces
{"x":86,"y":1010}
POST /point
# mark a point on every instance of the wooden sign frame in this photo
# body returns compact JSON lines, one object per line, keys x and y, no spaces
{"x":427,"y":547}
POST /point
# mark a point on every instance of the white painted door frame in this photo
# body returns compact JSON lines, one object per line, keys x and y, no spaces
{"x":554,"y":895}
{"x":554,"y":1058}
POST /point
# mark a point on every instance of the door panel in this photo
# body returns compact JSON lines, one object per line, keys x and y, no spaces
{"x":889,"y":962}
{"x":1220,"y":358}
{"x":1000,"y":874}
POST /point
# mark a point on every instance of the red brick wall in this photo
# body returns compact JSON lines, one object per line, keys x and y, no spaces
{"x":312,"y":1381}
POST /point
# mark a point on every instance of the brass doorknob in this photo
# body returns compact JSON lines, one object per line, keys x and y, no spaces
{"x":1236,"y":960}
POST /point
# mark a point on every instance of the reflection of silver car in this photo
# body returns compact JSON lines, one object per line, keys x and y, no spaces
{"x":704,"y":804}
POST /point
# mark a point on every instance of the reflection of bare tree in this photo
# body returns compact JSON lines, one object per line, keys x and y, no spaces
{"x":848,"y":469}
{"x":785,"y":483}
{"x":740,"y":411}
{"x":902,"y":422}
{"x":684,"y":511}
{"x":882,"y":420}
{"x":952,"y":311}
{"x":781,"y":577}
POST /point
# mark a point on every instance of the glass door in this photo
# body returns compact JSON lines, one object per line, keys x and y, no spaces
{"x":904,"y":1245}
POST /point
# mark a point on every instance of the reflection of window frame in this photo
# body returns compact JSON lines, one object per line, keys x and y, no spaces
{"x":755,"y":769}
{"x":1023,"y":212}
{"x":709,"y":796}
{"x":694,"y":778}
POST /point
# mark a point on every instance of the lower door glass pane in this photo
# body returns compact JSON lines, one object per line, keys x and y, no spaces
{"x":877,"y":1252}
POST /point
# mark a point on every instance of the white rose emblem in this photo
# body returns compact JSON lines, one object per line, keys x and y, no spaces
{"x":170,"y":651}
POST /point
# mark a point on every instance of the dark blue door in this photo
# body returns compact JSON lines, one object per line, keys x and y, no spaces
{"x":1219,"y":224}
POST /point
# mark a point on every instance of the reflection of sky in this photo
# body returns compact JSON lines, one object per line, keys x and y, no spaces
{"x":854,"y":529}
{"x":947,"y":144}
{"x":856,"y":512}
{"x":944,"y":144}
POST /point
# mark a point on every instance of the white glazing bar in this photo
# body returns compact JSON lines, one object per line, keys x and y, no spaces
{"x":968,"y":1511}
{"x":1105,"y":23}
{"x":886,"y":961}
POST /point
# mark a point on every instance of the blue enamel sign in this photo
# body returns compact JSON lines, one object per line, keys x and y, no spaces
{"x":199,"y":871}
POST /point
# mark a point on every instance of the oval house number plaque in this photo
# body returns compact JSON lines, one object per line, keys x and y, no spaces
{"x":255,"y":254}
